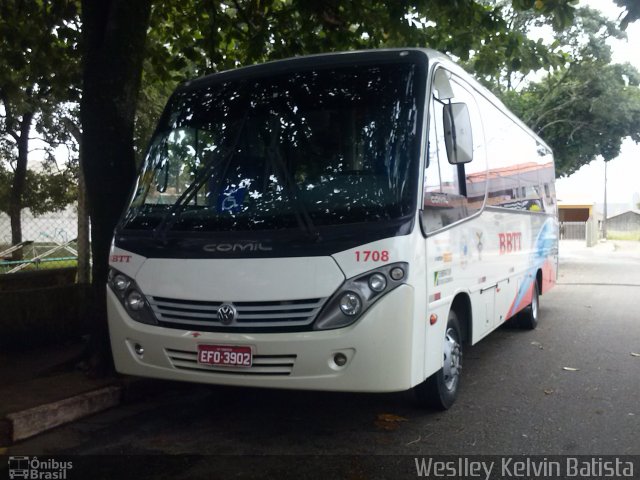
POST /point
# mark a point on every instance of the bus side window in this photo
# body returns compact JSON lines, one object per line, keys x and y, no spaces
{"x":521,"y":173}
{"x":452,"y":192}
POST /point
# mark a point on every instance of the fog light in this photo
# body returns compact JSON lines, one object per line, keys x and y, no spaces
{"x":377,"y":282}
{"x":120,"y":282}
{"x":135,"y":300}
{"x":350,"y":304}
{"x":397,"y":273}
{"x":138,"y":349}
{"x":340,"y":359}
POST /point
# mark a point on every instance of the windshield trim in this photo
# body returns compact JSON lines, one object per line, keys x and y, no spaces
{"x":322,"y":61}
{"x":278,"y":244}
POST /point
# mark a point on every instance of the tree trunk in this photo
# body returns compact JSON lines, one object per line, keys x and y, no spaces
{"x":19,"y":182}
{"x":84,"y":255}
{"x":604,"y":220}
{"x":114,"y":33}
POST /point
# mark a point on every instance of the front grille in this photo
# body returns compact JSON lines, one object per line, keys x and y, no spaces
{"x":203,"y":315}
{"x":272,"y":365}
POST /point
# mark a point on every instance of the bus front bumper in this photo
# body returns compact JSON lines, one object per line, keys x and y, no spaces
{"x":378,"y":348}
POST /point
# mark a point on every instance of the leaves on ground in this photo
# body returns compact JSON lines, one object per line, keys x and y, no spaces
{"x":548,"y":391}
{"x":389,"y":421}
{"x":537,"y":344}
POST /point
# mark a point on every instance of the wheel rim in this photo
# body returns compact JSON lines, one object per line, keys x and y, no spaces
{"x":534,"y":303}
{"x":452,"y":359}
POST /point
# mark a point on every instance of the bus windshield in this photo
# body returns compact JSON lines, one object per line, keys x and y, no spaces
{"x":319,"y":147}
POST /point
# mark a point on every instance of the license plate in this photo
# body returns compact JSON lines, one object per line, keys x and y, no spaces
{"x":225,"y":355}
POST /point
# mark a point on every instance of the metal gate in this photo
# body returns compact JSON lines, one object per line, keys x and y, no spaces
{"x":573,"y":230}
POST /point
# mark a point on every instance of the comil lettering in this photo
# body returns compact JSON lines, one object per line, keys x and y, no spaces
{"x":237,"y":247}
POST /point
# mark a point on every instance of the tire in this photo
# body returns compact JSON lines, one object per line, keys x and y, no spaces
{"x":529,"y":316}
{"x":440,"y":390}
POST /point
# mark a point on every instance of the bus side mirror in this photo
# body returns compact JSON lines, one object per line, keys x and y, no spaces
{"x":457,"y":133}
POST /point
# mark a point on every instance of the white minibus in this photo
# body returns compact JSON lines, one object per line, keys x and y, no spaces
{"x":343,"y":222}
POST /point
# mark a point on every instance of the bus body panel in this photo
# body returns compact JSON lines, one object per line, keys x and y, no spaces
{"x":498,"y":278}
{"x":241,"y":279}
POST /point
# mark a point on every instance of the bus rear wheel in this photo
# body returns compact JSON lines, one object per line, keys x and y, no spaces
{"x":529,"y":316}
{"x":440,"y":390}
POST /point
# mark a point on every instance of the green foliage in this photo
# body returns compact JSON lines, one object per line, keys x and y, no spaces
{"x":557,"y":13}
{"x":626,"y":236}
{"x":632,"y":14}
{"x":38,"y":42}
{"x":39,"y":59}
{"x":46,"y":190}
{"x":39,"y":81}
{"x":40,"y":71}
{"x":192,"y":38}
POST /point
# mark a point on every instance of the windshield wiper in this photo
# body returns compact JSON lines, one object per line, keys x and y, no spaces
{"x":173,"y":214}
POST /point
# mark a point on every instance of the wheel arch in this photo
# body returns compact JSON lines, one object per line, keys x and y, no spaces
{"x":462,"y":306}
{"x":539,"y":281}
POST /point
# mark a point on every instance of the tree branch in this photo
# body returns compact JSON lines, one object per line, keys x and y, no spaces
{"x":73,"y":128}
{"x":547,"y":112}
{"x":243,"y":14}
{"x":579,"y":125}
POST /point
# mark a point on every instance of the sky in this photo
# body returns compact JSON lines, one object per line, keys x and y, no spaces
{"x":623,"y":173}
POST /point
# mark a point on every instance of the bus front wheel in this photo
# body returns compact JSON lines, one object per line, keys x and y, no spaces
{"x":441,"y":389}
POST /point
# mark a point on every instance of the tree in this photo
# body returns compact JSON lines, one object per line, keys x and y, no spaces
{"x":39,"y":71}
{"x":47,"y":190}
{"x":588,"y":107}
{"x":632,"y":13}
{"x":193,"y":38}
{"x":114,"y":33}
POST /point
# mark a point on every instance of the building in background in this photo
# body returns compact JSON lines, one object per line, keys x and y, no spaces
{"x":627,"y":222}
{"x":579,"y":220}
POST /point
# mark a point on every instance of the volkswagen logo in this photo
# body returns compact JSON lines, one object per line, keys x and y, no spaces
{"x":226,"y":314}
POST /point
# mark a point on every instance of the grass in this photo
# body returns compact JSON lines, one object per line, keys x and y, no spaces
{"x":52,"y":264}
{"x":633,"y":236}
{"x":40,"y":266}
{"x":54,"y":260}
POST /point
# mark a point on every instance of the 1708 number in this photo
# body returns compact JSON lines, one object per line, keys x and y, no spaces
{"x":372,"y":256}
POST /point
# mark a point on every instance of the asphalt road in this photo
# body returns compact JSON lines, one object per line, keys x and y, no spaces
{"x":516,"y":396}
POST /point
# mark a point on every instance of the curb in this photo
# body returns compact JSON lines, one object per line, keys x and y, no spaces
{"x":33,"y":421}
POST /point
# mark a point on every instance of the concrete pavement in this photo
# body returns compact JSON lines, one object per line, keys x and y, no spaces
{"x":569,"y":387}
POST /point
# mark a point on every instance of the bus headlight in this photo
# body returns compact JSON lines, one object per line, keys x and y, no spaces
{"x":377,"y":282}
{"x":131,"y":297}
{"x":135,"y":300}
{"x":357,"y":294}
{"x":397,"y":273}
{"x":120,"y":282}
{"x":350,"y":304}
